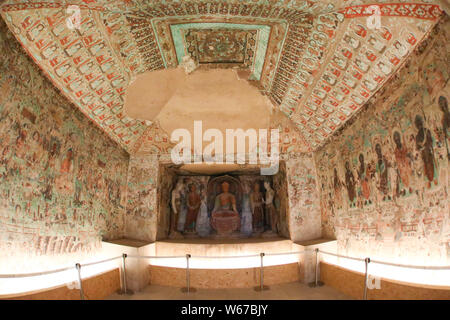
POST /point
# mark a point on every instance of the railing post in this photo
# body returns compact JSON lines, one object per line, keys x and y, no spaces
{"x":80,"y":284}
{"x":366,"y":277}
{"x":261,"y":281}
{"x":124,"y":273}
{"x":316,"y":282}
{"x":188,"y":279}
{"x":261,"y":274}
{"x":188,"y":288}
{"x":124,"y":289}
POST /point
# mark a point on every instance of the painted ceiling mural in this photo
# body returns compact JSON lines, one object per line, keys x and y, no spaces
{"x":318,"y":61}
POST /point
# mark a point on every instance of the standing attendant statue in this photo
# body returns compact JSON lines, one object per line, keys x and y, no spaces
{"x":193,"y":206}
{"x":203,"y":226}
{"x":176,"y":208}
{"x":256,"y":203}
{"x":270,"y":208}
{"x":246,"y":217}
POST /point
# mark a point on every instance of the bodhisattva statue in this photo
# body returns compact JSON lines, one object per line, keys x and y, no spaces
{"x":176,"y":208}
{"x":203,"y":226}
{"x":246,"y":215}
{"x":256,"y":203}
{"x":270,"y":208}
{"x":193,"y":205}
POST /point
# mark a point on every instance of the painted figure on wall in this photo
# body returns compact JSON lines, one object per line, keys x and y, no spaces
{"x":64,"y":181}
{"x":256,"y":203}
{"x":443,"y":105}
{"x":79,"y":182}
{"x":434,"y":77}
{"x":403,"y":159}
{"x":424,"y":144}
{"x":54,"y":151}
{"x":193,"y":206}
{"x":20,"y":143}
{"x":38,"y":154}
{"x":382,"y":169}
{"x":67,"y":163}
{"x":337,"y":187}
{"x":364,"y":174}
{"x":350,"y":184}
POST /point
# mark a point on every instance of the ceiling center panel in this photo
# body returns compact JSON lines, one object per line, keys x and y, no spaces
{"x":223,"y":45}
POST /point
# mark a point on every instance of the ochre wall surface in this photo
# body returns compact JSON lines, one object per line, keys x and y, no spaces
{"x":224,"y":278}
{"x":62,"y":180}
{"x":384,"y":179}
{"x":352,"y":284}
{"x":97,"y":287}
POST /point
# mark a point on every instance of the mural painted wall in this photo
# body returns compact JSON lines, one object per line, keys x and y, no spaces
{"x":167,"y":182}
{"x":141,"y":209}
{"x":384,"y":179}
{"x":62,"y":180}
{"x":281,"y":200}
{"x":303,"y":195}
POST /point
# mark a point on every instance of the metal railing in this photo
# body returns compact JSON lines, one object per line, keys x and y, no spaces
{"x":188,"y":256}
{"x":77,"y":267}
{"x":367,"y":261}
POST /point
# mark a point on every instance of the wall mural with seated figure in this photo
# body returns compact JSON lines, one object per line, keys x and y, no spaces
{"x":385,"y":179}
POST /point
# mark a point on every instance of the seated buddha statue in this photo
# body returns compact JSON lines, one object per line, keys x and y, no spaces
{"x":225,"y":201}
{"x":225,"y":217}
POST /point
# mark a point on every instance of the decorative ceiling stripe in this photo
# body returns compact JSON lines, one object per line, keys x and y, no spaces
{"x":410,"y":10}
{"x":48,"y":5}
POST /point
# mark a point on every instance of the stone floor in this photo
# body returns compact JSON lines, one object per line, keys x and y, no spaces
{"x":287,"y":291}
